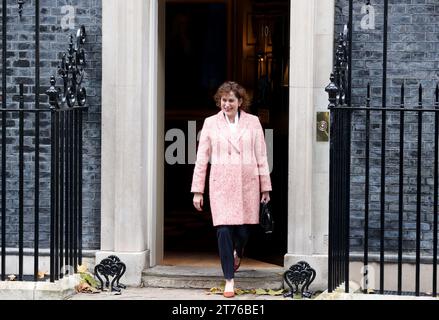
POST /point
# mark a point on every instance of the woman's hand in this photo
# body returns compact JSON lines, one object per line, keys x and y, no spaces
{"x":198,"y":201}
{"x":265,"y":197}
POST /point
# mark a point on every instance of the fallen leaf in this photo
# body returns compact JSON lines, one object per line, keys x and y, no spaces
{"x":260,"y":292}
{"x":216,"y":290}
{"x":276,"y":293}
{"x":90,"y":280}
{"x":41,"y":274}
{"x":84,"y":287}
{"x":82,"y":268}
{"x":240,"y":292}
{"x":93,"y":290}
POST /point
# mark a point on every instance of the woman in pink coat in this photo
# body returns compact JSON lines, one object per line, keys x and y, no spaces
{"x":233,"y":142}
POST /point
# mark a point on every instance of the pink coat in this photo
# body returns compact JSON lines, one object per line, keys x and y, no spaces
{"x":239,"y":169}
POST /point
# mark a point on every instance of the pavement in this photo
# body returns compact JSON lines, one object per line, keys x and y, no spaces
{"x":169,"y":303}
{"x":204,"y":294}
{"x":169,"y":294}
{"x":166,"y":303}
{"x":369,"y":297}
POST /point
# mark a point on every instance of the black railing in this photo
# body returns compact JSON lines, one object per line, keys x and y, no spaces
{"x":65,"y":135}
{"x":382,"y":155}
{"x":408,"y":133}
{"x":340,"y":175}
{"x":339,"y":191}
{"x":339,"y":217}
{"x":66,"y":186}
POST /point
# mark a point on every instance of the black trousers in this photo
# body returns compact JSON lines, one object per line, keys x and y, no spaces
{"x":231,"y":238}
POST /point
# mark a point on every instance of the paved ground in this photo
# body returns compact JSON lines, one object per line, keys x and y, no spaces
{"x":169,"y":294}
{"x":202,"y":294}
{"x":199,"y":304}
{"x":359,"y":296}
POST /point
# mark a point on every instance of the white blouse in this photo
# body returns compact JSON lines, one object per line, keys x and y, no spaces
{"x":233,"y":126}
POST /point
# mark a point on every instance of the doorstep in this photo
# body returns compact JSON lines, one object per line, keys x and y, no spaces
{"x":196,"y":277}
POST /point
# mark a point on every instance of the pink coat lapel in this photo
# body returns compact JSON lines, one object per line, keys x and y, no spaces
{"x":225,"y":130}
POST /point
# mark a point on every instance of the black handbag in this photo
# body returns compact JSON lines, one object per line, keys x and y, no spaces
{"x":266,"y":218}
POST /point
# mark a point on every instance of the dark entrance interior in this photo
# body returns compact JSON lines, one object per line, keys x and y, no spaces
{"x":207,"y":43}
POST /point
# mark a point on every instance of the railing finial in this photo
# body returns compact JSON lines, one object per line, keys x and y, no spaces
{"x":332,"y":91}
{"x":71,"y":72}
{"x":53,"y":94}
{"x":20,"y":7}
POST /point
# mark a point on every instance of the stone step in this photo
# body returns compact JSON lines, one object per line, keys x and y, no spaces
{"x":207,"y":277}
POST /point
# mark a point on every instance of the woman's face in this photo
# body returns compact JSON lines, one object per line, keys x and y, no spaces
{"x":230,"y":104}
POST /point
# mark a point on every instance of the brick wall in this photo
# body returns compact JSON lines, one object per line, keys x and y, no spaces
{"x":54,"y":39}
{"x":413,"y":44}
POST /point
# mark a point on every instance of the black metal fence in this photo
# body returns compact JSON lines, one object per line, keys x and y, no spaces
{"x":340,"y":207}
{"x":66,"y":116}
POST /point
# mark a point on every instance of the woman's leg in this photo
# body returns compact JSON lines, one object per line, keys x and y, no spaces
{"x":240,"y":236}
{"x":225,"y":246}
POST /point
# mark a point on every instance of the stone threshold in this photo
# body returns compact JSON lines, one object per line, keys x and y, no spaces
{"x":207,"y":277}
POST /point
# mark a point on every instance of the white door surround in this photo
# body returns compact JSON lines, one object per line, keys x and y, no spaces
{"x":133,"y":133}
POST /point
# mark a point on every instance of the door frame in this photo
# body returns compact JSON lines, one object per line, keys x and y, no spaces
{"x":133,"y":93}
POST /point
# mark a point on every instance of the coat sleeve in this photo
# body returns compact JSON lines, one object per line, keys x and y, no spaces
{"x":203,"y":157}
{"x":261,"y":158}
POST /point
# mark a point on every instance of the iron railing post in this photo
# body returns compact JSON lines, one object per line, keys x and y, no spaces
{"x":37,"y":141}
{"x":418,"y":195}
{"x":52,"y":194}
{"x":366,"y":195}
{"x":332,"y":91}
{"x":4,"y":105}
{"x":383,"y":148}
{"x":20,"y":182}
{"x":401,"y":189}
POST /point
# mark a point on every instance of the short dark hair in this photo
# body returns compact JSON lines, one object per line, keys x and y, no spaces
{"x":238,"y":90}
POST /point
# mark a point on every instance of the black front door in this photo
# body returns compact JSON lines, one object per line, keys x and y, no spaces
{"x":207,"y":43}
